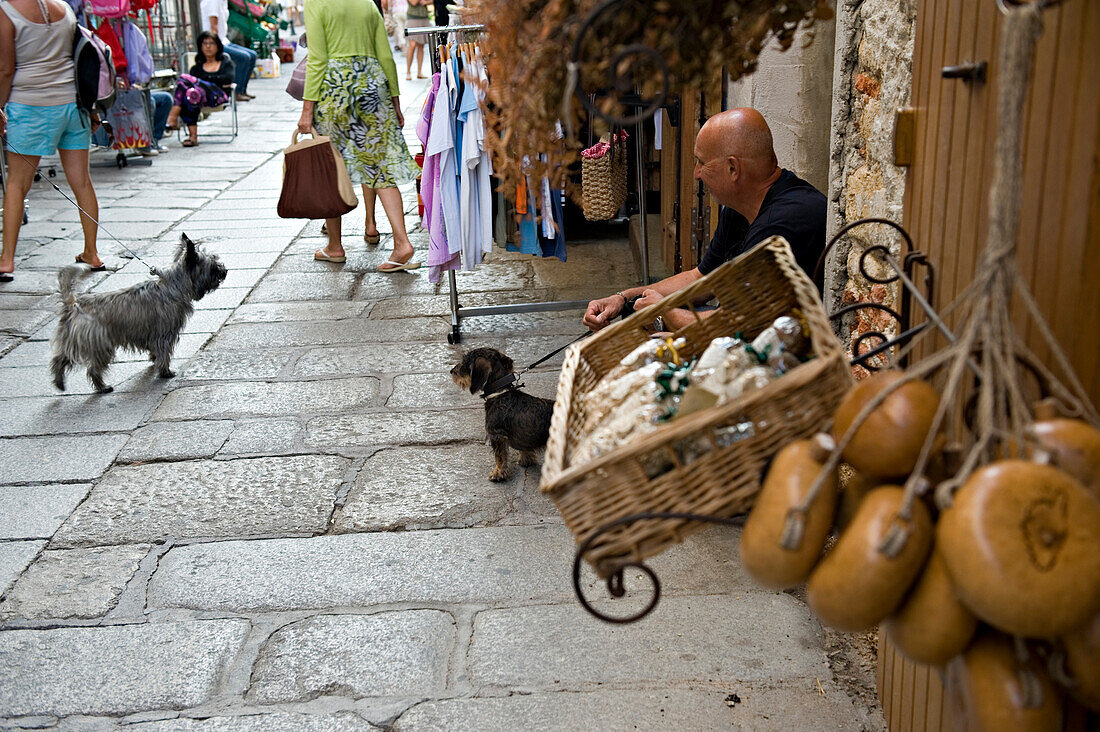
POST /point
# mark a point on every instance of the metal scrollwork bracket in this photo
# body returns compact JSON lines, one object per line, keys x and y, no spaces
{"x":903,"y":271}
{"x":616,"y":586}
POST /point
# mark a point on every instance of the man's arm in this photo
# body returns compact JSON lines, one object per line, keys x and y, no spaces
{"x":601,"y":312}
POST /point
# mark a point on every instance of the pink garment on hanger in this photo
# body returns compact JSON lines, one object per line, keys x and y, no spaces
{"x":440,"y":258}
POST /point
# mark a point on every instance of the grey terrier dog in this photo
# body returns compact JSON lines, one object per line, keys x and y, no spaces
{"x":145,"y":317}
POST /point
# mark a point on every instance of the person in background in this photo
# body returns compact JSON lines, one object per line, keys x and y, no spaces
{"x":207,"y":84}
{"x":417,"y":18}
{"x":442,"y":16}
{"x":735,"y":160}
{"x":351,"y":95}
{"x":399,"y":11}
{"x":215,"y":18}
{"x":39,"y":116}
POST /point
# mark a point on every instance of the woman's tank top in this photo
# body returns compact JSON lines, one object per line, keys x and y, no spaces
{"x":44,"y":73}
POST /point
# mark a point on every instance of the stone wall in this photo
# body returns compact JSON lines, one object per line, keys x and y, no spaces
{"x":872,"y":77}
{"x":792,"y":89}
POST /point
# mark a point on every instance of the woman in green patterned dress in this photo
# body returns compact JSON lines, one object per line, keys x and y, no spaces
{"x":351,"y":95}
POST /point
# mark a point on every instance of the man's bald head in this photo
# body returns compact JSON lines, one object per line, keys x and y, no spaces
{"x":735,"y":159}
{"x":741,"y":133}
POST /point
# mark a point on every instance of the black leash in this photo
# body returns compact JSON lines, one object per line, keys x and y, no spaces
{"x":4,"y":139}
{"x":511,"y":381}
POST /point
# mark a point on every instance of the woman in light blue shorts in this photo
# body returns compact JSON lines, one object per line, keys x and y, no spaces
{"x":40,"y":115}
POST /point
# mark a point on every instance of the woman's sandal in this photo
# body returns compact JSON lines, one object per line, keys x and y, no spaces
{"x":190,"y":143}
{"x":372,"y":239}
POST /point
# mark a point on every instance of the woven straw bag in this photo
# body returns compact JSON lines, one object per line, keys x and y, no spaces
{"x":603,"y":178}
{"x":722,"y":477}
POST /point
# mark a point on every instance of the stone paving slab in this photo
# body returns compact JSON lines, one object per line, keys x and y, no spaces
{"x":240,"y":365}
{"x":291,"y":311}
{"x":386,"y":654}
{"x":621,"y":710}
{"x":565,"y":323}
{"x":718,"y":638}
{"x":438,"y":305}
{"x":431,"y":391}
{"x":425,"y":488}
{"x":23,"y":322}
{"x":379,"y":429}
{"x":14,"y":558}
{"x":209,"y":321}
{"x":328,"y":333}
{"x":252,"y":722}
{"x":208,"y":498}
{"x":73,"y":583}
{"x":264,"y":436}
{"x":121,"y":411}
{"x":378,"y":358}
{"x":513,"y":565}
{"x":35,"y":511}
{"x":58,"y":459}
{"x":334,"y":285}
{"x":268,"y":399}
{"x":115,"y":670}
{"x":176,"y":441}
{"x":224,"y":298}
{"x":35,"y":381}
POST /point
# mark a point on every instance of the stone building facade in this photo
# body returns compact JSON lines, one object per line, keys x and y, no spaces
{"x":872,"y":78}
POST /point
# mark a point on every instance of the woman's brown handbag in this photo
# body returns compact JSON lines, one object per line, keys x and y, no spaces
{"x":316,"y":184}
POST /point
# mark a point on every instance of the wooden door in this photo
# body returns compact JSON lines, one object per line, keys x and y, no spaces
{"x":947,"y":187}
{"x":946,"y":211}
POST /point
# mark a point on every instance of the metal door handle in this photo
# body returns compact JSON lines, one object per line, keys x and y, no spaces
{"x":968,"y":71}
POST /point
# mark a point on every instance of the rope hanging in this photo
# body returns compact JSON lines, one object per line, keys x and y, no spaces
{"x":988,"y":349}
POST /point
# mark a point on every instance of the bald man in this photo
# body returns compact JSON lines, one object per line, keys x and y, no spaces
{"x":735,"y":160}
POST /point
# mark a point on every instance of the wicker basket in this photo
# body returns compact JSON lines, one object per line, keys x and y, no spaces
{"x":603,"y":182}
{"x":753,"y":291}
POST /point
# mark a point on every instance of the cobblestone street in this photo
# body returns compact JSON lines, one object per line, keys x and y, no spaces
{"x":298,"y":532}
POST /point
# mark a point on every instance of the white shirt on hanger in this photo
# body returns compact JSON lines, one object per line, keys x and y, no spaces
{"x":475,"y":192}
{"x":441,"y":141}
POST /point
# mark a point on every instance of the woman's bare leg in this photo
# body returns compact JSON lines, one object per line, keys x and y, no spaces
{"x":410,"y":51}
{"x":395,"y":212}
{"x":75,"y":165}
{"x":370,"y":224}
{"x":17,"y":185}
{"x":334,"y":248}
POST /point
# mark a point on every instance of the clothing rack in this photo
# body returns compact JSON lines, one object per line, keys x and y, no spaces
{"x":436,"y":35}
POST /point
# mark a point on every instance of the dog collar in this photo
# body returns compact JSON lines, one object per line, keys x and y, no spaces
{"x":501,"y":385}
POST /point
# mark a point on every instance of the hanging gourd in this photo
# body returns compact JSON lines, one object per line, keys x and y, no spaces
{"x":791,"y":475}
{"x":864,"y":577}
{"x":1022,"y":545}
{"x":932,"y":626}
{"x":889,"y":440}
{"x":995,"y":690}
{"x":1075,"y":447}
{"x":1082,"y":663}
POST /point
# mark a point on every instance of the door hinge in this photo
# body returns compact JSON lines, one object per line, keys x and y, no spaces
{"x":905,"y":135}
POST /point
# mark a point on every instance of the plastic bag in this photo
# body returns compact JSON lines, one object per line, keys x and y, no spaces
{"x":129,"y":121}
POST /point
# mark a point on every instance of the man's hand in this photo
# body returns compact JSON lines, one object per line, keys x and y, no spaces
{"x":305,"y":124}
{"x":601,"y":312}
{"x":397,"y":108}
{"x":96,"y":122}
{"x":649,"y":297}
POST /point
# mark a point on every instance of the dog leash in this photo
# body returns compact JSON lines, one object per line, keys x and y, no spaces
{"x":511,"y":381}
{"x":152,"y":269}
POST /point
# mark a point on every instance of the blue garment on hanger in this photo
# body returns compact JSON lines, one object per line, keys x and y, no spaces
{"x":528,"y":229}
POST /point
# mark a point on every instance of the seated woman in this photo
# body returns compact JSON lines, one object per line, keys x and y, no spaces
{"x":207,"y":85}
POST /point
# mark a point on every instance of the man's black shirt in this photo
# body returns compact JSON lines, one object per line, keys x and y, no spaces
{"x":792,"y":209}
